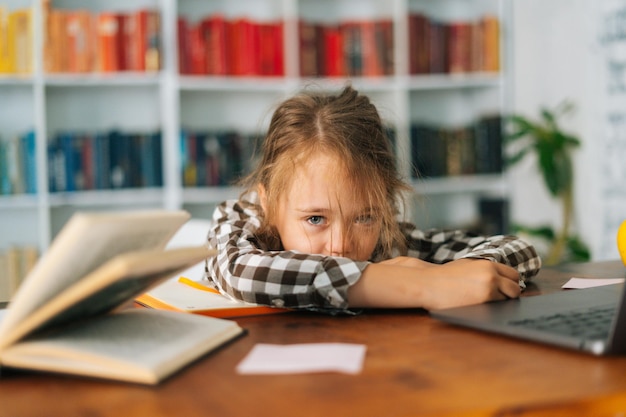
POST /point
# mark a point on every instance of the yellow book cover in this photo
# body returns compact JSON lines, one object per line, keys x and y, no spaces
{"x":491,"y":43}
{"x":5,"y":66}
{"x":21,"y":41}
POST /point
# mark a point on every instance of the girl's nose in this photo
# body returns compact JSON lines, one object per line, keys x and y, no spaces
{"x":339,"y":242}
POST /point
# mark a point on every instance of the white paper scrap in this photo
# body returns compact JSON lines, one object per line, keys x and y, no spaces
{"x":579,"y":283}
{"x":300,"y":358}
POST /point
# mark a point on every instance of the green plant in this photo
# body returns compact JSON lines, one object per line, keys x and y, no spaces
{"x":553,"y":149}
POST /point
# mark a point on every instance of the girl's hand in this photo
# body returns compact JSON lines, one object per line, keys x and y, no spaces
{"x":469,"y":281}
{"x":411,"y":282}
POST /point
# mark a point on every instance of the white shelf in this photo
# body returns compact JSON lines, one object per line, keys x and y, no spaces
{"x":130,"y":79}
{"x":454,"y":81}
{"x":8,"y":80}
{"x":234,"y":84}
{"x":20,"y":201}
{"x":106,"y":198}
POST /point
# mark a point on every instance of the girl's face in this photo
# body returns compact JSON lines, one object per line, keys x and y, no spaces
{"x":320,"y":214}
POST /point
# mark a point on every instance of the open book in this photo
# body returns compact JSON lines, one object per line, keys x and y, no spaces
{"x":189,"y":296}
{"x":71,"y":313}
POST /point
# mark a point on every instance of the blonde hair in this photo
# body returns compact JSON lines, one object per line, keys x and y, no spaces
{"x":347,"y":126}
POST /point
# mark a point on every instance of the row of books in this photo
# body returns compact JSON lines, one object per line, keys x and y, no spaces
{"x":101,"y":161}
{"x":16,"y":41}
{"x":216,"y":158}
{"x":468,"y":150}
{"x":351,"y":48}
{"x":453,"y":47}
{"x":15,"y":263}
{"x":80,"y":41}
{"x":18,"y":173}
{"x":219,"y":46}
{"x":112,"y":160}
{"x":116,"y":160}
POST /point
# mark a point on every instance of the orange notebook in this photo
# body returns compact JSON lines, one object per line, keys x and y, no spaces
{"x":185,"y":295}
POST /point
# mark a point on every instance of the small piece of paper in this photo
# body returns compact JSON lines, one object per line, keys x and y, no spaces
{"x":300,"y":358}
{"x":578,"y":283}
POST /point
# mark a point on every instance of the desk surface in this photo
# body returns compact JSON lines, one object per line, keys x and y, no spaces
{"x":415,"y":366}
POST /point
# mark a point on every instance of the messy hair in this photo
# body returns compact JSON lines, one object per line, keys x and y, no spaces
{"x":346,"y":126}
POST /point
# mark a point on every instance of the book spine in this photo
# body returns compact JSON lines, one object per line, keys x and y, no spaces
{"x":29,"y":166}
{"x":491,"y":43}
{"x":182,"y":27}
{"x":4,"y":58}
{"x":153,"y":41}
{"x":79,"y":42}
{"x":107,"y":42}
{"x":21,"y":25}
{"x":5,"y":180}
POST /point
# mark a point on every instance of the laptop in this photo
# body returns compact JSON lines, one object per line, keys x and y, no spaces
{"x":591,"y":320}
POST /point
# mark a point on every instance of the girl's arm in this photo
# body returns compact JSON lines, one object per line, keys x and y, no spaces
{"x":440,"y":247}
{"x":446,"y":269}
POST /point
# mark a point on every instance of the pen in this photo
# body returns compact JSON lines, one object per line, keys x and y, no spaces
{"x":197,"y":285}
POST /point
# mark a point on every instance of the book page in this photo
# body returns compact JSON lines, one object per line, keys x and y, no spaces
{"x":186,"y":298}
{"x":87,"y":241}
{"x":110,"y":286}
{"x":134,"y":345}
{"x":177,"y":296}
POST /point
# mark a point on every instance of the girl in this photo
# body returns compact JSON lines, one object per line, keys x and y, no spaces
{"x":317,"y":228}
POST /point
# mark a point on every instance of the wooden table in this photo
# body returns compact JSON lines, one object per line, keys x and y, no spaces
{"x":415,"y":366}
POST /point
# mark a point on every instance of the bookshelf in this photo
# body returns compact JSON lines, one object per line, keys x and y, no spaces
{"x":165,"y":101}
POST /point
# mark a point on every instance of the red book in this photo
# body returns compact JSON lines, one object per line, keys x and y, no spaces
{"x":197,"y":51}
{"x":270,"y":49}
{"x":458,"y":47}
{"x":215,"y":38}
{"x":229,"y":45}
{"x":139,"y":44}
{"x":333,"y":47}
{"x":245,"y":47}
{"x":279,"y":56}
{"x":129,"y":35}
{"x":182,"y":45}
{"x":122,"y":62}
{"x":107,"y":42}
{"x":419,"y":44}
{"x":308,"y":49}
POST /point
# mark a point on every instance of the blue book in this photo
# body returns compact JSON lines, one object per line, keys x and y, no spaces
{"x":5,"y":180}
{"x":28,"y":162}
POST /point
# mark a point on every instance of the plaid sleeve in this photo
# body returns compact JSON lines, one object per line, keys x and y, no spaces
{"x":245,"y":271}
{"x":442,"y":246}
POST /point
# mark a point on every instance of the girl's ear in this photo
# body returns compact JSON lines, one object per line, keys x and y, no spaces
{"x":262,"y":197}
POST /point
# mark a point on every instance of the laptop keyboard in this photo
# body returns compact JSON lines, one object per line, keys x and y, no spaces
{"x":592,"y":323}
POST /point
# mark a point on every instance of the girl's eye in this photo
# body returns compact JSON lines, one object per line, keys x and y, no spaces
{"x":365,"y":219}
{"x":316,"y":220}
